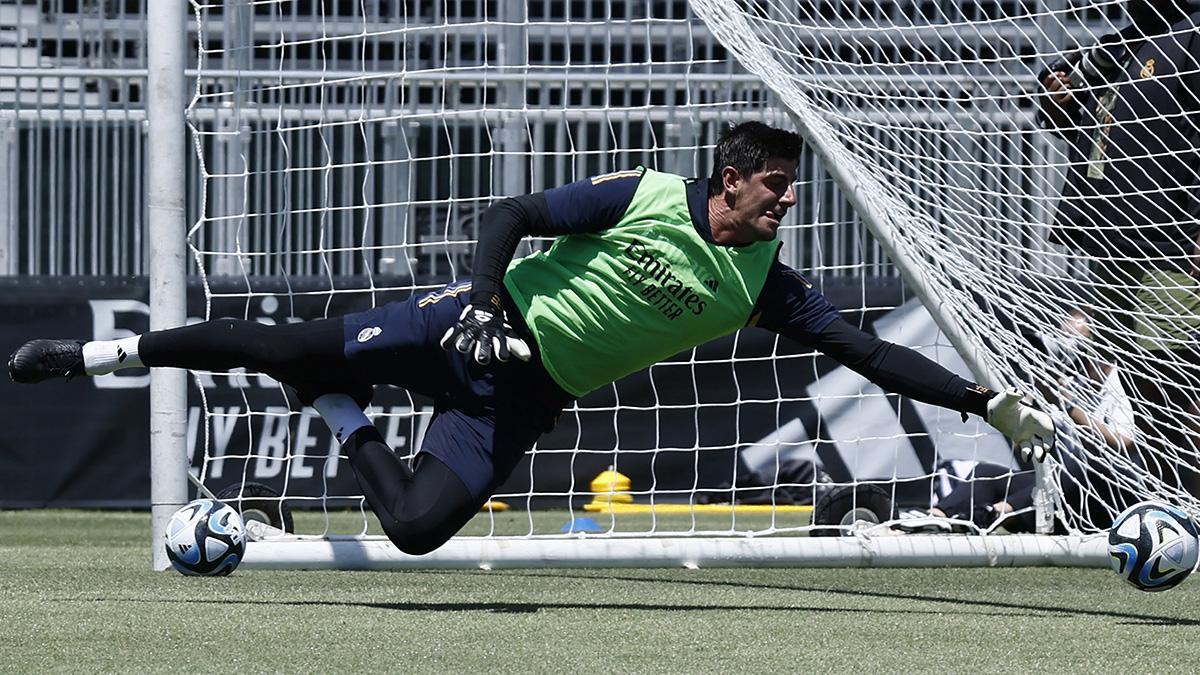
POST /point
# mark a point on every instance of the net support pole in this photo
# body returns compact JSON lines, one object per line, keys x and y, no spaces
{"x":8,"y":201}
{"x":513,"y":56}
{"x":166,"y":45}
{"x":736,"y":35}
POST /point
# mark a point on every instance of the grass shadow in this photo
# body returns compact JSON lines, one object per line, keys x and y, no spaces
{"x":1018,"y":608}
{"x":519,"y":607}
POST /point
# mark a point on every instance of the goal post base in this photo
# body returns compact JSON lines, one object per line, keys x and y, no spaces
{"x":354,"y":553}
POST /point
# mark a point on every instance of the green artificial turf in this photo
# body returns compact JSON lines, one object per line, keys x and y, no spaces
{"x":77,"y":595}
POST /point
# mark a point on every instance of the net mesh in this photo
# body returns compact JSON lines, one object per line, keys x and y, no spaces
{"x":345,"y":151}
{"x":1056,"y":230}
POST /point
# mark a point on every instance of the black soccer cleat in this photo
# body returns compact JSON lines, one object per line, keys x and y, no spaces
{"x":39,"y":360}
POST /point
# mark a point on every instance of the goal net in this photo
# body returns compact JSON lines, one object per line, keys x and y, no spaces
{"x":344,"y":154}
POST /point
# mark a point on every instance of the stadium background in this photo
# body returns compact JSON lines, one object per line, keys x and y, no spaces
{"x":76,"y":593}
{"x":73,"y":226}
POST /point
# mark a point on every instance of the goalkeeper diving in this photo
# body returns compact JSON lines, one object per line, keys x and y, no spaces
{"x":645,"y":265}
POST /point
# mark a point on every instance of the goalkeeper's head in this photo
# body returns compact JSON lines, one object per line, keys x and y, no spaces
{"x":753,"y":176}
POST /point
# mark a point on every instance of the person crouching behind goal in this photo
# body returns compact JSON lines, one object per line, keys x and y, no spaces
{"x":645,"y":265}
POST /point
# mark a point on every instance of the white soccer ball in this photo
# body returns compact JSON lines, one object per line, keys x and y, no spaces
{"x":206,"y":538}
{"x":1153,"y":546}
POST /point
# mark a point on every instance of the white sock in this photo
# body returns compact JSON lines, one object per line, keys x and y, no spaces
{"x":342,"y":414}
{"x":105,"y":356}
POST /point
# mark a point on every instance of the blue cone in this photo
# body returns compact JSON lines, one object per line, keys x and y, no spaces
{"x":583,"y":524}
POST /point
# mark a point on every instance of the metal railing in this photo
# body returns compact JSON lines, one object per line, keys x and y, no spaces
{"x":451,"y":109}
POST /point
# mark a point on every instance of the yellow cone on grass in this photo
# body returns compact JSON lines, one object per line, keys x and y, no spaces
{"x":611,"y":487}
{"x":493,"y":505}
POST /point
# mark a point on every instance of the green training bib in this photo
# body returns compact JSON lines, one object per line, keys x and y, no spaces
{"x":604,"y":305}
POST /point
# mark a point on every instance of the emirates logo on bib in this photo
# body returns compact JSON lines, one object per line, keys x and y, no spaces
{"x":368,"y":333}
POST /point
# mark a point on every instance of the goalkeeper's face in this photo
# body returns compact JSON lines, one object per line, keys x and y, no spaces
{"x":758,"y":202}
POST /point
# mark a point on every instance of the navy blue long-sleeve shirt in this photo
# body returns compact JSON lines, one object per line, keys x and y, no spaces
{"x":788,"y":304}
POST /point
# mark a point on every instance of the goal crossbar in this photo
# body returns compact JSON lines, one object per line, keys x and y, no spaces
{"x":487,"y":553}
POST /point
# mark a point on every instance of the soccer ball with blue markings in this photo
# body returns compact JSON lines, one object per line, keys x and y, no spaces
{"x":1153,"y":546}
{"x":206,"y":538}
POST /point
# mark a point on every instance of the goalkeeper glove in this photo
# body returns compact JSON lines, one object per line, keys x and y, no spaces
{"x":483,"y":332}
{"x":1030,"y":429}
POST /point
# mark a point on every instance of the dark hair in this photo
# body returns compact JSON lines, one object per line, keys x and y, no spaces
{"x":747,"y":147}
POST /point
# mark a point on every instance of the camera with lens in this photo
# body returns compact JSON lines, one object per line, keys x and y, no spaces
{"x":1096,"y":65}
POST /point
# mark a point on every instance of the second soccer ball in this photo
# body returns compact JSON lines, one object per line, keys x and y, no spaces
{"x":1153,"y":546}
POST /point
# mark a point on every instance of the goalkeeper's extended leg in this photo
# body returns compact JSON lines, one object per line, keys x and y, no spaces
{"x":289,"y":352}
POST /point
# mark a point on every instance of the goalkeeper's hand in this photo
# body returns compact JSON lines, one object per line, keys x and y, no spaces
{"x":1030,"y":429}
{"x":482,"y":332}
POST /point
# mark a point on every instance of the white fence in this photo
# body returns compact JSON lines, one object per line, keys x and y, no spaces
{"x":72,"y":123}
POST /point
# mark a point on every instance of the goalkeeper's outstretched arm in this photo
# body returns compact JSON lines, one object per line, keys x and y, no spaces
{"x":790,"y":306}
{"x":903,"y":371}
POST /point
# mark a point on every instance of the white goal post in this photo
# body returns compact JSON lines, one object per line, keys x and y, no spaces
{"x":166,"y":197}
{"x":343,"y":152}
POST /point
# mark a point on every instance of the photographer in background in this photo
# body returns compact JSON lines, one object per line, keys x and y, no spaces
{"x":1129,"y":107}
